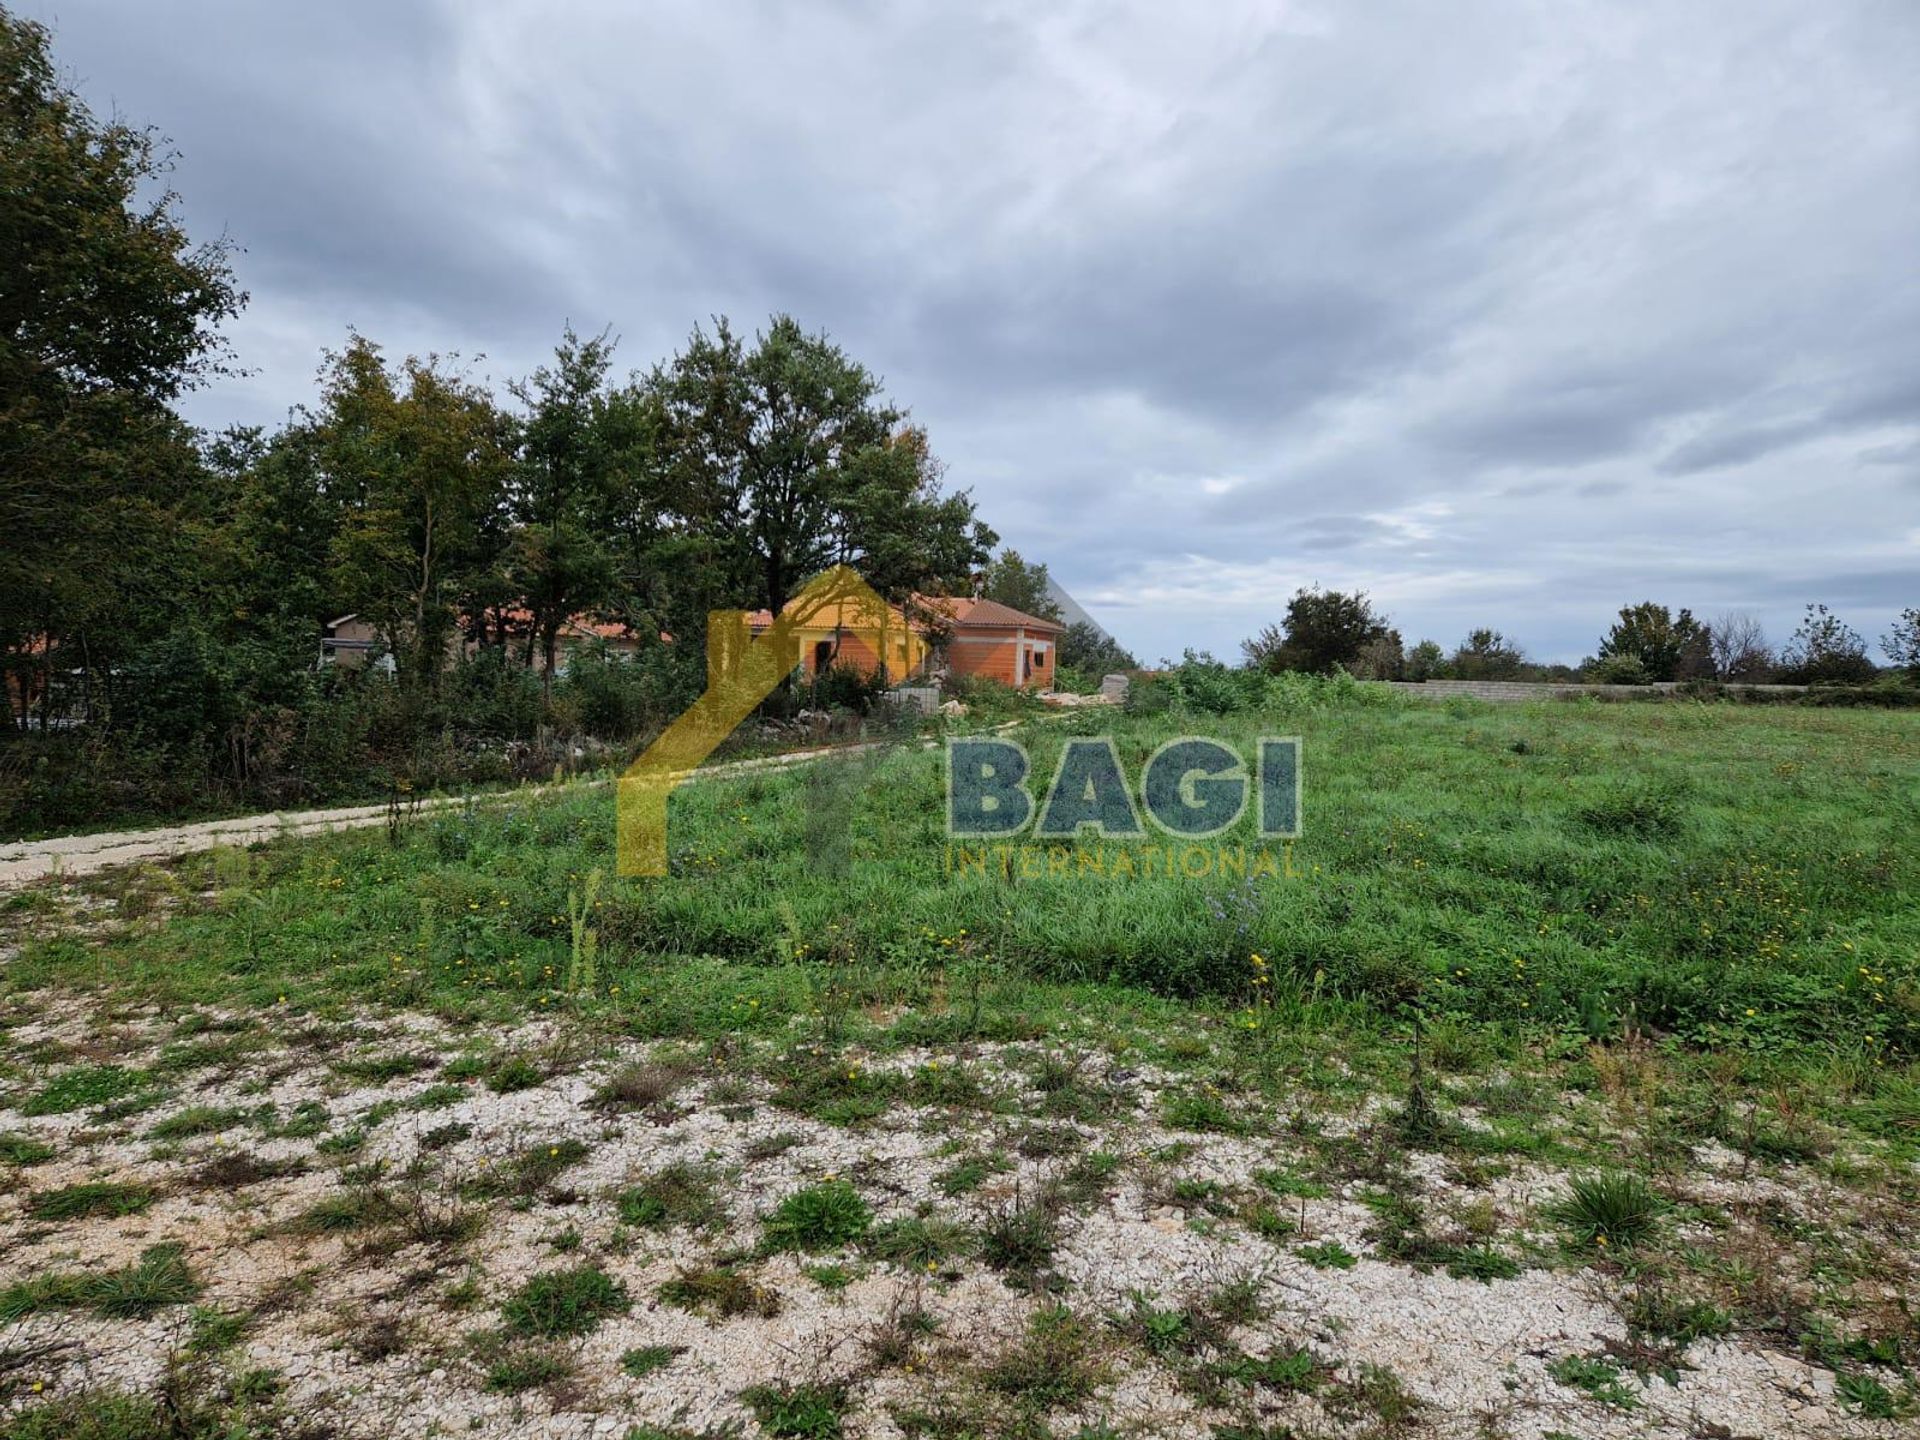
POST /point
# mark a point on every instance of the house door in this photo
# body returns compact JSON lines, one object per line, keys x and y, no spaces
{"x":822,"y":656}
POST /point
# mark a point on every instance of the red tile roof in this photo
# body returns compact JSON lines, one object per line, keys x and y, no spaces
{"x":968,"y":611}
{"x":965,"y":611}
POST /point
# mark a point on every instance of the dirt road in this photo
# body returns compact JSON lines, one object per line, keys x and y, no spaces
{"x":22,"y":862}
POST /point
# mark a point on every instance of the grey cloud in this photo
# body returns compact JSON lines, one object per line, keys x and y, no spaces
{"x":1511,"y":315}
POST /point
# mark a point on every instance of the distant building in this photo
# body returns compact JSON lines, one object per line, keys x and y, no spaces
{"x":987,"y":639}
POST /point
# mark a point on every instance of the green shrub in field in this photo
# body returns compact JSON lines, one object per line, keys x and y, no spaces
{"x":819,"y":1217}
{"x":680,"y":1194}
{"x":1614,"y":1209}
{"x":797,"y":1412}
{"x":564,"y":1302}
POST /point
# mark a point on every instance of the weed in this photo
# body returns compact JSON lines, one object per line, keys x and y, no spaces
{"x":819,"y":1217}
{"x":1869,"y":1397}
{"x":1482,"y":1263}
{"x":1286,"y":1370}
{"x":564,"y":1302}
{"x":1599,"y":1378}
{"x":647,"y":1086}
{"x":23,"y":1150}
{"x":679,"y":1195}
{"x":513,"y":1072}
{"x":965,"y":1176}
{"x":1200,"y":1110}
{"x":1018,"y":1239}
{"x":1328,"y":1255}
{"x":797,"y":1412}
{"x":769,"y":1147}
{"x":81,"y":1202}
{"x":918,"y":1242}
{"x":723,"y":1291}
{"x":513,"y":1369}
{"x":379,"y":1069}
{"x":83,"y":1088}
{"x":1056,"y":1365}
{"x":437,"y":1097}
{"x":198,"y":1120}
{"x":1612,"y":1209}
{"x":647,"y":1360}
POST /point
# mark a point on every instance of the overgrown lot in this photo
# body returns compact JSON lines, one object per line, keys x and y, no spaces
{"x":1563,"y":1082}
{"x":1731,"y":877}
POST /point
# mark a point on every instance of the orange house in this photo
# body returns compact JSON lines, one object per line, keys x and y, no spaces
{"x":863,"y":635}
{"x":987,"y":639}
{"x":1001,"y":643}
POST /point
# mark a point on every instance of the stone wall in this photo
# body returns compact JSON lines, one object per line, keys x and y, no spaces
{"x":1508,"y":691}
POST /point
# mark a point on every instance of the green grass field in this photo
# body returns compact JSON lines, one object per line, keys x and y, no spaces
{"x":1734,"y":878}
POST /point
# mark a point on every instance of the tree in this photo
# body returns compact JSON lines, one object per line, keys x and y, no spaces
{"x":107,"y":313}
{"x":1324,"y":630}
{"x":1381,"y":659}
{"x":564,"y":485}
{"x":1013,"y":581}
{"x":780,"y":461}
{"x":420,"y":458}
{"x":1737,"y":647}
{"x":1486,"y":655}
{"x":1660,"y":641}
{"x":1085,"y":648}
{"x":1902,"y":643}
{"x":1825,"y":650}
{"x":1425,"y":661}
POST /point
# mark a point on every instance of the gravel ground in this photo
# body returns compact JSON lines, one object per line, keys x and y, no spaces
{"x":389,"y":1324}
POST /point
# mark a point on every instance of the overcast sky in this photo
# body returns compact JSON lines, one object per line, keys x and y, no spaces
{"x":1507,"y":313}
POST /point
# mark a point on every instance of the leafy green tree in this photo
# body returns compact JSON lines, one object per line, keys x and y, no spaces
{"x":1085,"y":648}
{"x":1013,"y":581}
{"x":107,"y":313}
{"x":1425,"y":661}
{"x":1825,"y":650}
{"x":1664,"y":643}
{"x":1324,"y":630}
{"x":1486,"y":655}
{"x":574,"y":450}
{"x":1901,"y":644}
{"x":781,"y":460}
{"x":420,"y":457}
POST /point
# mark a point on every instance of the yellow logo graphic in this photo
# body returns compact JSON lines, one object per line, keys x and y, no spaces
{"x":741,"y":672}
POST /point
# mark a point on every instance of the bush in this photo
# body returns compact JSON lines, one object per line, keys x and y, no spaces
{"x":1608,"y":1209}
{"x":1619,"y":670}
{"x":564,"y":1302}
{"x":819,"y":1217}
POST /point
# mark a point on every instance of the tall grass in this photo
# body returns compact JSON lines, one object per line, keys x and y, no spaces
{"x":1725,"y":875}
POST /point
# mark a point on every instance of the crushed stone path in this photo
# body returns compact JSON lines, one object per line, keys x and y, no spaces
{"x":23,"y":862}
